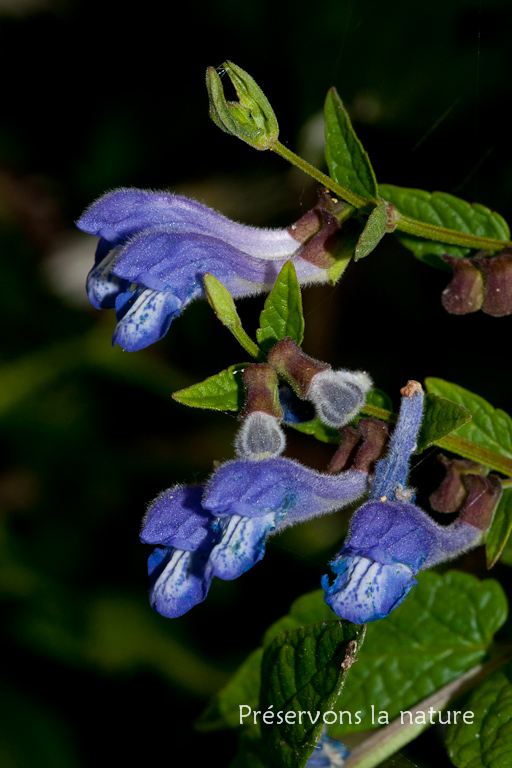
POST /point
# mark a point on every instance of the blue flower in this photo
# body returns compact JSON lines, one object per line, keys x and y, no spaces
{"x":328,"y":753}
{"x":155,"y":249}
{"x":220,"y":528}
{"x":390,"y":538}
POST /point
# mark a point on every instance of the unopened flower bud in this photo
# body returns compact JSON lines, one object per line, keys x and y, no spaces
{"x":251,"y":118}
{"x":465,"y":292}
{"x":362,"y":447}
{"x":336,"y":395}
{"x":320,"y":231}
{"x":483,"y":496}
{"x":452,"y":492}
{"x":261,"y":387}
{"x":498,"y":283}
{"x":260,"y":436}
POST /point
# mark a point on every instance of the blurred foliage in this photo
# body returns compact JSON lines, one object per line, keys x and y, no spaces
{"x":96,"y":95}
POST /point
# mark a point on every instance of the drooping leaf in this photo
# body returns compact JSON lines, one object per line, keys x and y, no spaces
{"x":302,"y":674}
{"x":442,"y":210}
{"x":282,"y":314}
{"x":440,"y":417}
{"x":374,"y":231}
{"x":490,"y":427}
{"x":500,"y":529}
{"x":348,"y":163}
{"x":222,"y":392}
{"x":222,"y":303}
{"x":486,"y":742}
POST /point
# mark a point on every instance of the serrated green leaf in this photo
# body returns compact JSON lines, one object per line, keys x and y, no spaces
{"x":443,"y":628}
{"x":224,"y":709}
{"x":500,"y":529}
{"x":490,"y":427}
{"x":374,"y":231}
{"x":487,"y":741}
{"x":244,"y":687}
{"x":440,"y":417}
{"x":302,"y":671}
{"x":306,"y":609}
{"x":348,"y":163}
{"x":282,"y":314}
{"x":442,"y":210}
{"x":223,"y":392}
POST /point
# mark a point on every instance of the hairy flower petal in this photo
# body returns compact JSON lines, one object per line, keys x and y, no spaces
{"x":242,"y":544}
{"x":282,"y":486}
{"x":167,"y":243}
{"x":179,"y":580}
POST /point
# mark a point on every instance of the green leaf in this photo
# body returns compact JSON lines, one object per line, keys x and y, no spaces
{"x":440,"y":417}
{"x":282,"y":314}
{"x":244,"y":687}
{"x":318,"y":429}
{"x":348,"y":163}
{"x":224,"y":709}
{"x":443,"y":628}
{"x":442,"y":210}
{"x":375,"y":229}
{"x":487,"y":741}
{"x":500,"y":529}
{"x":379,"y":399}
{"x":303,"y":672}
{"x":223,"y":392}
{"x":222,"y":303}
{"x":490,"y":427}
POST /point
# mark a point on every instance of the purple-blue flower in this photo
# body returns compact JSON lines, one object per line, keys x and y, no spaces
{"x":220,"y":528}
{"x":156,"y":247}
{"x":390,"y":538}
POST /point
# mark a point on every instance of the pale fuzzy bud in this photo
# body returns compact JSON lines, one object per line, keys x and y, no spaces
{"x":259,"y":437}
{"x":338,"y":396}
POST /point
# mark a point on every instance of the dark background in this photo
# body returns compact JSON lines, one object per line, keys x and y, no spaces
{"x":96,"y":96}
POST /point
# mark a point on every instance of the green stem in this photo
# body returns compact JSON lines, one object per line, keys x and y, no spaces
{"x":451,"y":236}
{"x":470,"y":450}
{"x":346,"y":194}
{"x":403,"y":223}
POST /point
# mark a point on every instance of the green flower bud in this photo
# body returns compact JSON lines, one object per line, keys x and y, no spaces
{"x":251,"y":118}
